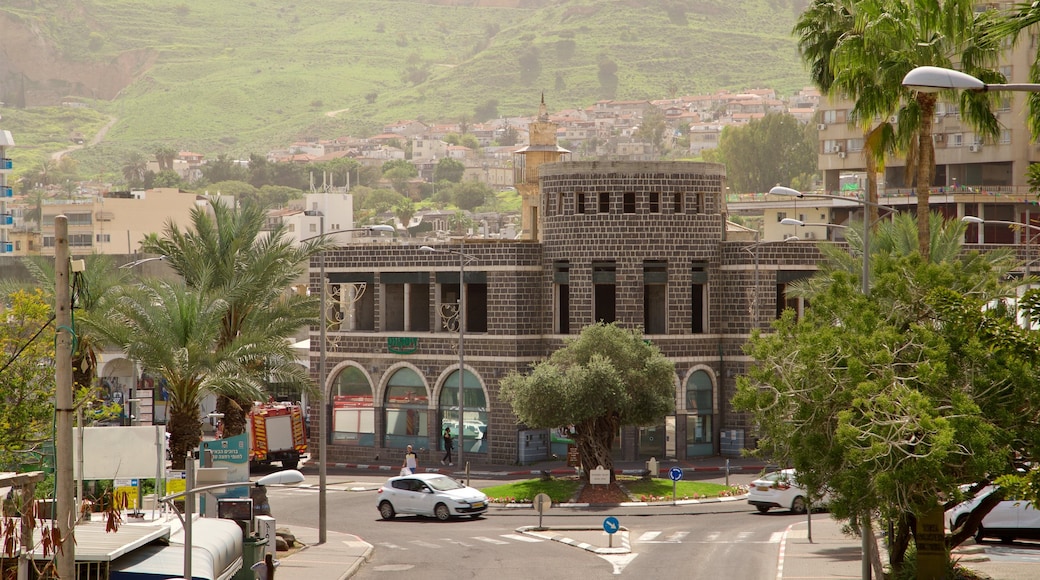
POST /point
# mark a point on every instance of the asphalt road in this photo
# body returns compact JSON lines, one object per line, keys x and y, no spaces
{"x":709,"y":541}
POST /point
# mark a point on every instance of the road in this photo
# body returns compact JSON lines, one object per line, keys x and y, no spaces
{"x":709,"y":541}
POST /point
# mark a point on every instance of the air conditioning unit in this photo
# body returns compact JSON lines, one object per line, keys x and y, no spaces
{"x":821,"y":126}
{"x":938,"y":137}
{"x":974,"y":147}
{"x":810,"y":235}
{"x":836,"y":149}
{"x":841,"y":154}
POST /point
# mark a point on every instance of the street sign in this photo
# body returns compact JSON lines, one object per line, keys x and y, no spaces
{"x":675,"y":473}
{"x":542,"y":503}
{"x":611,"y":525}
{"x":599,"y":476}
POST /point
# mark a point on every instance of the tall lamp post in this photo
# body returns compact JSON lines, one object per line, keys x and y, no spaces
{"x":865,"y":284}
{"x":461,"y":318}
{"x":932,"y":79}
{"x":284,"y":477}
{"x":323,"y":509}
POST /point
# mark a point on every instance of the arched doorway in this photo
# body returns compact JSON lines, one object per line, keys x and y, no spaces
{"x":474,"y":409}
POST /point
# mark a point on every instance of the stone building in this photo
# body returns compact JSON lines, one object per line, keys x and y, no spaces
{"x":643,"y":244}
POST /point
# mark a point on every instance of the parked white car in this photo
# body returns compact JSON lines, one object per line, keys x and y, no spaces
{"x":1007,"y":521}
{"x":780,"y":489}
{"x":429,"y":494}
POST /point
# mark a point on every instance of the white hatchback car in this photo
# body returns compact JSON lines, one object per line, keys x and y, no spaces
{"x":429,"y":494}
{"x":1007,"y":521}
{"x":780,"y":489}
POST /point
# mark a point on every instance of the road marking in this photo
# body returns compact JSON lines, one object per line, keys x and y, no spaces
{"x":521,"y":538}
{"x":677,"y":537}
{"x":489,"y":540}
{"x":711,"y":537}
{"x":648,"y":536}
{"x":743,"y":536}
{"x":424,"y":544}
{"x":393,"y":546}
{"x":619,"y":561}
{"x":776,"y":537}
{"x":463,"y":544}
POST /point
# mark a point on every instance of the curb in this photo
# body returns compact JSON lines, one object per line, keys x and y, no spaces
{"x":557,"y":471}
{"x":625,"y":503}
{"x":624,"y":548}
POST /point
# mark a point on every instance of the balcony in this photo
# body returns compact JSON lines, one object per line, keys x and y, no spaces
{"x":6,"y":219}
{"x":6,"y":248}
{"x":6,"y":191}
{"x":6,"y":164}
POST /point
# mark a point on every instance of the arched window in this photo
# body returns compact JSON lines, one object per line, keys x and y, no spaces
{"x":700,"y":409}
{"x":353,"y":411}
{"x":474,"y":410}
{"x":407,"y":406}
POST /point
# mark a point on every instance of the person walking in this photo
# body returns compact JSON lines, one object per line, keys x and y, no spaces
{"x":411,"y":461}
{"x":449,"y":446}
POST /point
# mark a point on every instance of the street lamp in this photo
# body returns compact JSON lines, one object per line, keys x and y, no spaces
{"x":787,"y":191}
{"x":323,"y":524}
{"x":461,"y":318}
{"x":141,"y":261}
{"x":932,"y":79}
{"x":970,"y":219}
{"x":284,"y":477}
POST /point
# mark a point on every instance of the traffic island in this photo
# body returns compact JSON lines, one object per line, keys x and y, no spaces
{"x":595,"y":540}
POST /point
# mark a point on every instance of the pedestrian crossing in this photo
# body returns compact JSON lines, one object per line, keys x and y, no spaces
{"x":709,"y":537}
{"x":646,"y":537}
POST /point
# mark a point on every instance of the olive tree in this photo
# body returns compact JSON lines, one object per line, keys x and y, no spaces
{"x":606,"y":378}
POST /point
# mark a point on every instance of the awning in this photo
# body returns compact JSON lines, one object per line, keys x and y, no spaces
{"x":216,"y":554}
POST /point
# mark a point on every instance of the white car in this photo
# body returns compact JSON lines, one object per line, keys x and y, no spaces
{"x":780,"y":489}
{"x":429,"y":494}
{"x":1008,"y":520}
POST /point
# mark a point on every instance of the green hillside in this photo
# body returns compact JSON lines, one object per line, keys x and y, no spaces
{"x":240,"y":77}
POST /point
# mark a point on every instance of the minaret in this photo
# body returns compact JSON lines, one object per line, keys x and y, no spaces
{"x":542,"y":148}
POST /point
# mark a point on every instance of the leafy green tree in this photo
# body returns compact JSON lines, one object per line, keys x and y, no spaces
{"x":224,"y":168}
{"x":604,"y":379}
{"x":133,"y":169}
{"x":167,"y":178}
{"x":486,"y":111}
{"x":378,"y":200}
{"x":400,"y":164}
{"x":278,"y":195}
{"x":449,"y":169}
{"x":288,"y":174}
{"x":26,"y":377}
{"x":469,"y":195}
{"x":510,"y":136}
{"x":259,"y":170}
{"x":165,"y":156}
{"x":230,"y":255}
{"x":530,"y":64}
{"x":767,"y":151}
{"x":239,"y":190}
{"x":894,"y":399}
{"x":651,"y":128}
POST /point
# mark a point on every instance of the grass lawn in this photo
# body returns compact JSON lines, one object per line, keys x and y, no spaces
{"x":562,"y":490}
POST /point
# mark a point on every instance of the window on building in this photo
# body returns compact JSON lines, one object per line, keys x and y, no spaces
{"x":629,"y":202}
{"x":80,"y":219}
{"x":476,"y":302}
{"x":700,"y":410}
{"x":81,"y":240}
{"x":655,"y":202}
{"x":48,"y":241}
{"x":677,"y":203}
{"x":350,"y":302}
{"x":406,"y":301}
{"x":407,"y":410}
{"x":783,"y":301}
{"x":580,"y":204}
{"x":698,"y":298}
{"x":559,"y":204}
{"x":655,"y":297}
{"x":697,"y":204}
{"x":103,"y":238}
{"x":474,"y":411}
{"x":353,"y":411}
{"x":604,"y":202}
{"x":604,"y":279}
{"x":1005,"y":136}
{"x":562,"y":297}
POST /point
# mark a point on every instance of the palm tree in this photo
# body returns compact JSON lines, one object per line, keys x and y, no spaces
{"x":227,"y":256}
{"x":862,"y":49}
{"x":134,"y":169}
{"x":165,"y":157}
{"x":174,"y":331}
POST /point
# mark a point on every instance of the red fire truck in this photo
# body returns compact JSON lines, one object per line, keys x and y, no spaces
{"x":276,"y":433}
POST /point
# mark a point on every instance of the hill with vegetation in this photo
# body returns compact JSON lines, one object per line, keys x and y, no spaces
{"x":241,"y":77}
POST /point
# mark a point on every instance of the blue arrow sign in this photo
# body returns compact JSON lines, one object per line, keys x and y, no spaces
{"x":611,"y":525}
{"x":675,"y":473}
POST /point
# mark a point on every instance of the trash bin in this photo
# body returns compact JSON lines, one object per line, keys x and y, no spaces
{"x":252,"y":552}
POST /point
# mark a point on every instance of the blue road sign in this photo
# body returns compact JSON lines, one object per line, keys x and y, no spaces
{"x":675,"y":473}
{"x":611,"y":525}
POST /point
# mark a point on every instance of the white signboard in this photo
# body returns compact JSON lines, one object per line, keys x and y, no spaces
{"x":599,"y":476}
{"x":119,"y":452}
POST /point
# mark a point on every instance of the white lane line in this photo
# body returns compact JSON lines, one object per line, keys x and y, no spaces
{"x":521,"y":538}
{"x":648,"y":536}
{"x":677,"y":537}
{"x":393,"y":546}
{"x":490,"y":540}
{"x":423,"y":544}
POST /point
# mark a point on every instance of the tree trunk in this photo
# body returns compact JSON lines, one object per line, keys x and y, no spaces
{"x":185,"y":434}
{"x":595,"y":441}
{"x":234,"y":415}
{"x":925,"y":170}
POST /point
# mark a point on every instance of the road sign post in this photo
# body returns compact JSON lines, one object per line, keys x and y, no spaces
{"x":611,"y":525}
{"x":542,"y":503}
{"x":675,"y":474}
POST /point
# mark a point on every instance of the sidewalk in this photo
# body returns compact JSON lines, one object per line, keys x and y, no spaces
{"x":338,"y":558}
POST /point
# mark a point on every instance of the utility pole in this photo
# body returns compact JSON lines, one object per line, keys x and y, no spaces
{"x":66,"y":555}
